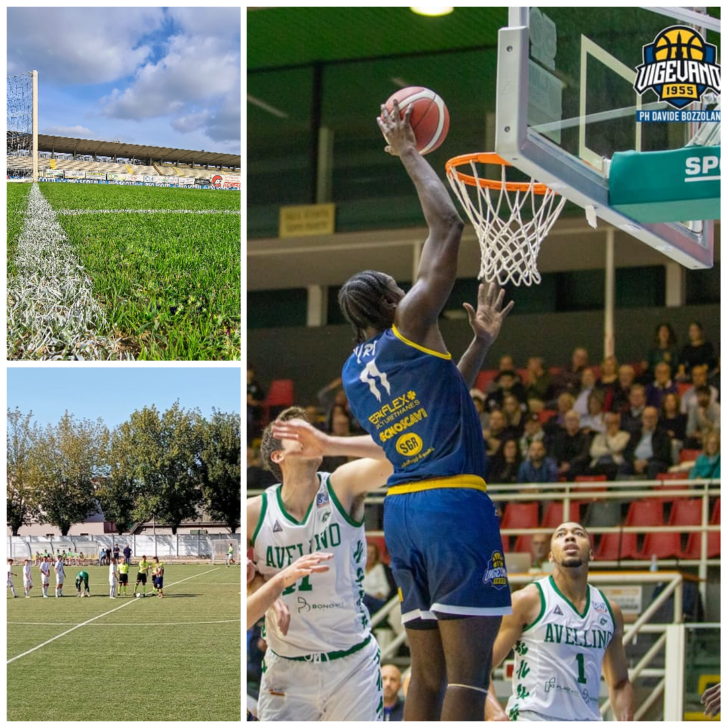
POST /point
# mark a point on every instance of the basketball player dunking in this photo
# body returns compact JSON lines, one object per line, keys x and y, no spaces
{"x":440,"y":526}
{"x":565,"y":633}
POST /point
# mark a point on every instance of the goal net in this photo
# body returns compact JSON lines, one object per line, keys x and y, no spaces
{"x":220,"y":551}
{"x":22,"y":125}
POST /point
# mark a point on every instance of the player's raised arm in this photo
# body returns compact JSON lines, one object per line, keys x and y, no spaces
{"x":616,"y":672}
{"x":418,"y":311}
{"x":486,"y":324}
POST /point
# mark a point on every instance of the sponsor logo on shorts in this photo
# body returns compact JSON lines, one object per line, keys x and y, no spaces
{"x":495,"y":574}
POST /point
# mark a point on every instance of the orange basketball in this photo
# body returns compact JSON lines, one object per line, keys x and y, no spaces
{"x":430,"y":119}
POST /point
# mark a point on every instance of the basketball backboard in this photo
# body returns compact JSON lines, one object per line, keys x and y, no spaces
{"x":566,"y":104}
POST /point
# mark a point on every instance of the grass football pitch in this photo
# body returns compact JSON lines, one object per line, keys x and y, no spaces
{"x":150,"y":659}
{"x":163,"y":263}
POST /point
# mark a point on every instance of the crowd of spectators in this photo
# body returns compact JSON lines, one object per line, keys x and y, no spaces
{"x":617,"y":419}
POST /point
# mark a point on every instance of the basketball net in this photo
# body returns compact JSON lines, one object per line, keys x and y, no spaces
{"x":509,"y":244}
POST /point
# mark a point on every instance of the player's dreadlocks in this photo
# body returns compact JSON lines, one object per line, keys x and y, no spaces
{"x":360,"y":299}
{"x":270,"y":444}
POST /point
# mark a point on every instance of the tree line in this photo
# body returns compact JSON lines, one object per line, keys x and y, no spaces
{"x":169,"y":466}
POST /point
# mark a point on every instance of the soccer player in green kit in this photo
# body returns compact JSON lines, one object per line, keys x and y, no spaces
{"x":82,"y":578}
{"x":123,"y":576}
{"x":144,"y":567}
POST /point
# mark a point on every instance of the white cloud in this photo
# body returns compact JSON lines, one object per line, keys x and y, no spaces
{"x":69,"y":131}
{"x":223,"y":23}
{"x":79,"y":45}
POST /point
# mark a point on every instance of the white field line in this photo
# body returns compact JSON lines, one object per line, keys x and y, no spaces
{"x":93,"y":619}
{"x":147,"y":212}
{"x":130,"y":624}
{"x":51,"y":310}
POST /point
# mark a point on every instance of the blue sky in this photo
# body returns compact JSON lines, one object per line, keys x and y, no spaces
{"x":158,"y":76}
{"x":113,"y":393}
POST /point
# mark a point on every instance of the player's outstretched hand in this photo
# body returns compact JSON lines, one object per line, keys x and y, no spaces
{"x":711,"y":700}
{"x":486,"y":322}
{"x":312,"y":441}
{"x":309,"y":564}
{"x":396,"y":129}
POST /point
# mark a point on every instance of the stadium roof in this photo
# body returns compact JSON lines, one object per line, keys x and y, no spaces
{"x":66,"y":145}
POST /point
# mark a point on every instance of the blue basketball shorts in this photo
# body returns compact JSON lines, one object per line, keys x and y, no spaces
{"x":446,"y":553}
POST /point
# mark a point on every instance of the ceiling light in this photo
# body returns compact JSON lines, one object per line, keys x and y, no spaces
{"x":432,"y":10}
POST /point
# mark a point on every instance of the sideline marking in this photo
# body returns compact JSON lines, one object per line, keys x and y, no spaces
{"x":93,"y":619}
{"x":69,"y":211}
{"x":130,"y":624}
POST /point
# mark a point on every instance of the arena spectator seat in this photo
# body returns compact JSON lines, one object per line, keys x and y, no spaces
{"x":381,"y":543}
{"x":521,"y":516}
{"x":687,"y":455}
{"x":280,"y":396}
{"x":554,"y":515}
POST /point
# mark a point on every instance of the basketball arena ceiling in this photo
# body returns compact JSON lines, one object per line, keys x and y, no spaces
{"x":66,"y":145}
{"x":283,"y":37}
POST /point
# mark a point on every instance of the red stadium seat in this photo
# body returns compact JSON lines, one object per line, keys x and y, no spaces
{"x":692,"y":549}
{"x":545,"y":415}
{"x":380,"y":542}
{"x":523,"y":544}
{"x":280,"y":396}
{"x":662,"y":545}
{"x":521,"y":516}
{"x":715,"y":515}
{"x":588,"y":481}
{"x":686,"y":512}
{"x":647,"y":512}
{"x":485,"y":378}
{"x":668,"y":486}
{"x":688,"y":455}
{"x":616,"y":546}
{"x":683,"y":387}
{"x":554,"y":515}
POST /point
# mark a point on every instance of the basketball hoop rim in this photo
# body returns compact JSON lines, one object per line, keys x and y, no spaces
{"x":493,"y":184}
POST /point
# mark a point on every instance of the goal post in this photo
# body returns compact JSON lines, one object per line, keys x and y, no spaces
{"x":22,"y":125}
{"x":220,"y":550}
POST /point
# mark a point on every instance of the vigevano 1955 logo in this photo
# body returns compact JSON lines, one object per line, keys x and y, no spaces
{"x":679,"y":66}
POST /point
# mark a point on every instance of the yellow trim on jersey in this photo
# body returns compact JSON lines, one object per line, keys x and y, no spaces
{"x":456,"y":481}
{"x":417,"y":346}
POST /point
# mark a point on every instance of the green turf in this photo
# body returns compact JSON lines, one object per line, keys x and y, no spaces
{"x":17,"y":203}
{"x":147,"y":661}
{"x":170,"y":283}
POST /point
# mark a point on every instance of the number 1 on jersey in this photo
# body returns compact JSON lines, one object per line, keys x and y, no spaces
{"x":580,"y":663}
{"x":304,"y":586}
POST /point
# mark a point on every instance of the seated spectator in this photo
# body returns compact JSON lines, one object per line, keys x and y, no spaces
{"x":703,"y":418}
{"x":391,"y":684}
{"x":514,"y":413}
{"x":540,"y":547}
{"x":331,"y":397}
{"x":314,"y":417}
{"x":478,"y":397}
{"x":505,"y":364}
{"x":708,"y":463}
{"x":375,"y":585}
{"x":506,"y":463}
{"x":569,"y":379}
{"x":565,"y":403}
{"x":607,"y":448}
{"x":538,"y":380}
{"x":256,"y":396}
{"x":661,"y":386}
{"x":593,"y":422}
{"x":498,"y":432}
{"x":672,"y":420}
{"x":571,"y":447}
{"x":533,"y":432}
{"x":648,"y":450}
{"x":632,"y":418}
{"x":609,"y":380}
{"x":696,"y":352}
{"x":340,"y":427}
{"x":507,"y":382}
{"x":538,"y":468}
{"x":664,"y":349}
{"x":700,"y":379}
{"x":620,"y":398}
{"x":588,"y":380}
{"x":258,"y":477}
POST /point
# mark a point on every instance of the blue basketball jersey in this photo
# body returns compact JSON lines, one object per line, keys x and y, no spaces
{"x":415,"y":404}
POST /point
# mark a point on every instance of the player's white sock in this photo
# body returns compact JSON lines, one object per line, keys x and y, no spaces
{"x":12,"y":589}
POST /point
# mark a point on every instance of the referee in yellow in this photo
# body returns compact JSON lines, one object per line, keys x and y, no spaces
{"x":144,"y":567}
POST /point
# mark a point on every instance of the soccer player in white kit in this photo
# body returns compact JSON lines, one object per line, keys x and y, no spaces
{"x":27,"y":578}
{"x":10,"y":578}
{"x":325,"y":667}
{"x":113,"y":579}
{"x":45,"y":575}
{"x":60,"y":575}
{"x":565,"y":633}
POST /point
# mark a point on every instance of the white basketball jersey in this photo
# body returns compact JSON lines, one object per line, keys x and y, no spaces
{"x":559,"y":657}
{"x":327,"y":612}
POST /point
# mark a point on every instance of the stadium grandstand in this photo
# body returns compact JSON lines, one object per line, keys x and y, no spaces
{"x":616,"y":342}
